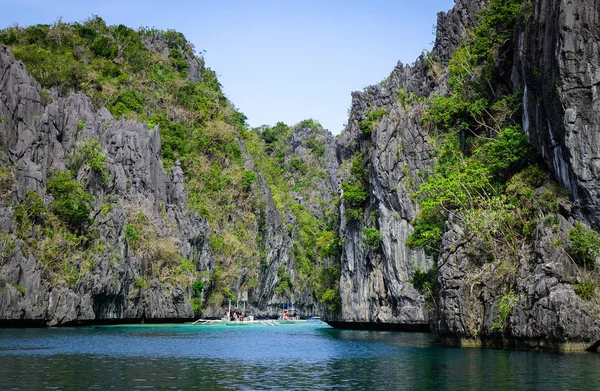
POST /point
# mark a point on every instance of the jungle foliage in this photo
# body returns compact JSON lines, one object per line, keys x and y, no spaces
{"x":288,"y":175}
{"x":149,"y":75}
{"x":486,"y":173}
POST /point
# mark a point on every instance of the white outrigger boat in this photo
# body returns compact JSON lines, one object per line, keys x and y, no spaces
{"x":250,"y":321}
{"x":243,"y":322}
{"x":236,"y":319}
{"x":290,"y":316}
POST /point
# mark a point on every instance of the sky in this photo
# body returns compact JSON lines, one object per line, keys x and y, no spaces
{"x":277,"y":60}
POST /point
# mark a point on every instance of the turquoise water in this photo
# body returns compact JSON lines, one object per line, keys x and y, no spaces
{"x":288,"y":357}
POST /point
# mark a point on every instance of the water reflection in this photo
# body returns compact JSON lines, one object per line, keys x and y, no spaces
{"x":294,"y":357}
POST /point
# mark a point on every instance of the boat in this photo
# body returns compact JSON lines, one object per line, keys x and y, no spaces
{"x":236,"y":318}
{"x":206,"y":322}
{"x":244,"y":322}
{"x":291,"y":321}
{"x":290,"y":316}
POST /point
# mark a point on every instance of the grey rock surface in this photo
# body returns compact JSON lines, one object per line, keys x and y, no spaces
{"x":278,"y":240}
{"x":375,"y":285}
{"x":547,"y":312}
{"x":38,"y":139}
{"x":279,"y":248}
{"x":328,"y":162}
{"x":453,"y":26}
{"x":557,"y":67}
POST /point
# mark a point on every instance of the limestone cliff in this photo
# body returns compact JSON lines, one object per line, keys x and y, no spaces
{"x":294,"y":261}
{"x":376,"y":282}
{"x":459,"y":198}
{"x":557,"y":68}
{"x":483,"y":292}
{"x":110,"y":206}
{"x":113,"y":282}
{"x":554,"y":66}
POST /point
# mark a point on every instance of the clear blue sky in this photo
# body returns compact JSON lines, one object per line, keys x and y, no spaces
{"x":277,"y":60}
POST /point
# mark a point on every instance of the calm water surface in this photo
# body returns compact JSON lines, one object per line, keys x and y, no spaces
{"x":288,"y":357}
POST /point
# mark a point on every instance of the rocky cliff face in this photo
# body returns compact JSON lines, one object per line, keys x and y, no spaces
{"x":528,"y":296}
{"x":115,"y":282}
{"x":556,"y":67}
{"x":312,"y":201}
{"x":143,"y":255}
{"x":294,"y":194}
{"x":453,"y":27}
{"x":376,"y":283}
{"x":278,"y":244}
{"x":542,"y":309}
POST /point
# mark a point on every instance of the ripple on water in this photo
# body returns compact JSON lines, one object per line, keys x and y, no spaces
{"x":183,"y":357}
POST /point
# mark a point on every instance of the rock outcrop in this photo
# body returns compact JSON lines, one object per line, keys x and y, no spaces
{"x":280,"y":277}
{"x":531,"y":301}
{"x":453,"y":27}
{"x":376,"y":285}
{"x":535,"y":289}
{"x":282,"y":230}
{"x":279,"y":256}
{"x":38,"y":139}
{"x":557,"y":68}
{"x":527,"y":298}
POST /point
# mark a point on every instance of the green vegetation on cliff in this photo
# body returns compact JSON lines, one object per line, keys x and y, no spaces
{"x":585,"y":244}
{"x":155,"y":77}
{"x":372,"y":120}
{"x":297,"y":183}
{"x":486,"y":177}
{"x":481,"y":149}
{"x":61,"y":236}
{"x":355,"y":189}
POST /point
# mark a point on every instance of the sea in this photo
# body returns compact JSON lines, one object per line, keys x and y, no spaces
{"x":307,"y":356}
